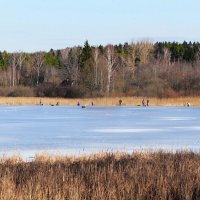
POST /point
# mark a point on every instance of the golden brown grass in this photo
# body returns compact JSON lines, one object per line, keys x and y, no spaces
{"x":140,"y":176}
{"x":106,"y":101}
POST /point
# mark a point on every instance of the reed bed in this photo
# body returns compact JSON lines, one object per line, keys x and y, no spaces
{"x":104,"y":101}
{"x":137,"y":176}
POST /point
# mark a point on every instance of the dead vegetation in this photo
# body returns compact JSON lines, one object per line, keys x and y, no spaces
{"x":139,"y":176}
{"x":104,"y":101}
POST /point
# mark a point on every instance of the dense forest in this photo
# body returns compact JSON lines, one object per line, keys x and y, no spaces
{"x":162,"y":69}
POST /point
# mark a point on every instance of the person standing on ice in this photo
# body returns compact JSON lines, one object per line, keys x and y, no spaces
{"x":147,"y":102}
{"x":143,"y":104}
{"x":41,"y":104}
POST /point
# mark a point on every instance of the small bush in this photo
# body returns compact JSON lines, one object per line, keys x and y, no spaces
{"x":17,"y":92}
{"x":69,"y":92}
{"x":46,"y":90}
{"x":51,"y":90}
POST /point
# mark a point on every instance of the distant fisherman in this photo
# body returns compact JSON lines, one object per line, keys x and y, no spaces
{"x":143,"y":104}
{"x":78,"y":103}
{"x":41,"y":104}
{"x":147,"y":102}
{"x":120,"y":102}
{"x":188,"y":104}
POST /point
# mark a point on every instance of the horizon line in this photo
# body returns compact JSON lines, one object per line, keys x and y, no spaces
{"x":104,"y":45}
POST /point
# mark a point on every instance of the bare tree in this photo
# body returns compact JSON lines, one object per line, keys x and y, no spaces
{"x":71,"y":65}
{"x":101,"y":73}
{"x":142,"y":51}
{"x":111,"y":64}
{"x":95,"y":58}
{"x":166,"y":59}
{"x":51,"y":75}
{"x":15,"y":66}
{"x":37,"y":64}
{"x":12,"y":69}
{"x":20,"y":60}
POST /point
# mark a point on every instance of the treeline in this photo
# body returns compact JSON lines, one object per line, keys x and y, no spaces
{"x":163,"y":69}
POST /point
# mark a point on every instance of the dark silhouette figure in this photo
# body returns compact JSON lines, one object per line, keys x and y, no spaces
{"x":147,"y":102}
{"x":120,"y":102}
{"x":92,"y":103}
{"x":41,"y":104}
{"x":78,"y":104}
{"x":143,"y":103}
{"x":57,"y":104}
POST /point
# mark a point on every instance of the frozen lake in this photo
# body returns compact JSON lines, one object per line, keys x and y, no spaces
{"x":73,"y":130}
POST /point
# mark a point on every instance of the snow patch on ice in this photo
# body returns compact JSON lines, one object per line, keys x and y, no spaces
{"x":125,"y":130}
{"x":194,"y":128}
{"x":178,"y":118}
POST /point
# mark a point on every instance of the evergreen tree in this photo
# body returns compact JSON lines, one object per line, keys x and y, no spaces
{"x":2,"y":63}
{"x":50,"y":59}
{"x":86,"y":53}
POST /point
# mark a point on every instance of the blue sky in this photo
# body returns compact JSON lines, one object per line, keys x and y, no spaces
{"x":32,"y":25}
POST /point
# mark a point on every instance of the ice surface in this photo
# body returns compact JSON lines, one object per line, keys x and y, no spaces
{"x":73,"y":130}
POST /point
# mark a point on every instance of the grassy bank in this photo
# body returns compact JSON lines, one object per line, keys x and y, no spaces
{"x":112,"y":101}
{"x":140,"y":176}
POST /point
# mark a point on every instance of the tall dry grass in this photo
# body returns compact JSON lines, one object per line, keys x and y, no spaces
{"x":106,"y":101}
{"x":140,"y":176}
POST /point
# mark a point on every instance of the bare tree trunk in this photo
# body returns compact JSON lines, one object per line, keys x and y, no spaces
{"x":109,"y":78}
{"x":38,"y":61}
{"x":13,"y":74}
{"x":10,"y":77}
{"x":38,"y":76}
{"x":101,"y":81}
{"x":111,"y":65}
{"x":96,"y":54}
{"x":13,"y":69}
{"x":20,"y":60}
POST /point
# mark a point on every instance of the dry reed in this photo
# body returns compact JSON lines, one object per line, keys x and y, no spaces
{"x":140,"y":176}
{"x":106,"y":101}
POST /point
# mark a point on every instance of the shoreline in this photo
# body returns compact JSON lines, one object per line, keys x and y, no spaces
{"x":59,"y":156}
{"x":104,"y":101}
{"x":29,"y":157}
